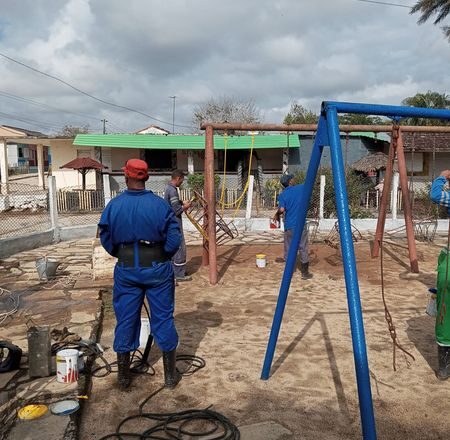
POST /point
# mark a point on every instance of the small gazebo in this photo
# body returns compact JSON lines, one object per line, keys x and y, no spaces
{"x":372,"y":163}
{"x":83,"y":165}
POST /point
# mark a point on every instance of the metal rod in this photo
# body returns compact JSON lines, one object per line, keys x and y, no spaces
{"x":407,"y":209}
{"x":211,"y":204}
{"x":313,"y":127}
{"x":351,"y":279}
{"x":395,"y":111}
{"x":293,"y":250}
{"x":384,"y":197}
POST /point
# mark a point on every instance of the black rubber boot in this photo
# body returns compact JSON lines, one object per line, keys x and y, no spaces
{"x":443,"y":373}
{"x":171,"y":375}
{"x":304,"y":268}
{"x":124,"y":375}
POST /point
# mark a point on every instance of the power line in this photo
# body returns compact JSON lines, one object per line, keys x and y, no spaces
{"x":41,"y":104}
{"x":88,"y":94}
{"x":385,"y":3}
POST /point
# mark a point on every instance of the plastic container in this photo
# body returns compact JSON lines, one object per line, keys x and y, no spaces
{"x":67,"y":365}
{"x":145,"y":332}
{"x":261,"y":261}
{"x":274,"y":224}
{"x":46,"y":268}
{"x":432,"y":304}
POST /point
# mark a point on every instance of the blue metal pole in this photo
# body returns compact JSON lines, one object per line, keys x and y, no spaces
{"x":351,"y":279}
{"x":292,"y":254}
{"x":386,"y":110}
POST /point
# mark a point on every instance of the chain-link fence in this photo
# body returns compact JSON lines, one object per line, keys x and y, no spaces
{"x":24,"y":209}
{"x":79,"y":207}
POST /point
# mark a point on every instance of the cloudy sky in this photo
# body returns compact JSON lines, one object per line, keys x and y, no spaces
{"x":137,"y":53}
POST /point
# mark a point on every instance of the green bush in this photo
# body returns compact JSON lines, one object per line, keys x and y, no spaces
{"x":196,"y":181}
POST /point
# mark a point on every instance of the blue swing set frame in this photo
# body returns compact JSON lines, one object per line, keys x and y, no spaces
{"x":328,"y":135}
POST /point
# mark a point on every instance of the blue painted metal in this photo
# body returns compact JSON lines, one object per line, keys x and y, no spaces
{"x":351,"y":279}
{"x":292,"y":254}
{"x":386,"y":110}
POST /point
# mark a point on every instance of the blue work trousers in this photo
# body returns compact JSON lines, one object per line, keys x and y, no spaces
{"x":130,"y":286}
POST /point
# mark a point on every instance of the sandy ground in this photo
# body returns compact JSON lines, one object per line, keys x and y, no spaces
{"x":312,"y":390}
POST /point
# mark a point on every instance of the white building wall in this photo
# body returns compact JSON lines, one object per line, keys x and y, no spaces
{"x":13,"y":155}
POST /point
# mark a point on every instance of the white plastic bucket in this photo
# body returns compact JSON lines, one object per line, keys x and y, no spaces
{"x":261,"y":260}
{"x":67,"y":365}
{"x":145,"y":332}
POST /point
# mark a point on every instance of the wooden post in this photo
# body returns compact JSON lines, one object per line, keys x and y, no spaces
{"x":211,"y":200}
{"x":407,"y":209}
{"x":384,"y":197}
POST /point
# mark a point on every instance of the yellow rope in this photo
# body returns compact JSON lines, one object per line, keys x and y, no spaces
{"x":222,"y":195}
{"x":238,"y":202}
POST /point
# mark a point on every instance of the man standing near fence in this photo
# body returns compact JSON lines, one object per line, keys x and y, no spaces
{"x":171,"y":195}
{"x":289,"y":205}
{"x":140,"y":229}
{"x":440,"y":195}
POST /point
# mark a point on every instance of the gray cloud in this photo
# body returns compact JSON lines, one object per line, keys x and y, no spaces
{"x":138,"y":53}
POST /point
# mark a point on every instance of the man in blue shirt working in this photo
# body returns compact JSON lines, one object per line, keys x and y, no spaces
{"x":289,"y":204}
{"x":439,"y":194}
{"x":140,"y":229}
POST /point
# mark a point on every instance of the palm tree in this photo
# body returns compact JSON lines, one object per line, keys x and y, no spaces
{"x":429,"y":99}
{"x":428,"y":8}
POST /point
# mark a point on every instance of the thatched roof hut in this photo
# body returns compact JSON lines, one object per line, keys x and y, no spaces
{"x":373,"y":163}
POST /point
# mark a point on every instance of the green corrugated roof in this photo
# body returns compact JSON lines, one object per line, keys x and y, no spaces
{"x":184,"y":142}
{"x":371,"y":135}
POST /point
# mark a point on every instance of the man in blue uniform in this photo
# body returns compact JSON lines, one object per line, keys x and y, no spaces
{"x":140,"y":229}
{"x":173,"y":199}
{"x":289,"y":205}
{"x":440,"y":195}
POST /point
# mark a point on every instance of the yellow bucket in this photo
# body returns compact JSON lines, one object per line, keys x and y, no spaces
{"x":261,"y":261}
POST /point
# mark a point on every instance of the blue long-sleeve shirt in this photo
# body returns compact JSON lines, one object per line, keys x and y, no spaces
{"x":139,"y":215}
{"x":439,"y":195}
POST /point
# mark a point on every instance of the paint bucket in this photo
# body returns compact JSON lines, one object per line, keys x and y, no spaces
{"x":67,"y":366}
{"x":46,"y":267}
{"x":432,"y":305}
{"x":80,"y":362}
{"x":261,"y":260}
{"x":274,"y":224}
{"x":145,"y":332}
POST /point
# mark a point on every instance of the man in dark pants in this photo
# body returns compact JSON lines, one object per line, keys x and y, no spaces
{"x":172,"y":197}
{"x":289,"y":205}
{"x":439,"y":194}
{"x":140,"y":229}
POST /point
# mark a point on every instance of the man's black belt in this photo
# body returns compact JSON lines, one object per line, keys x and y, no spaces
{"x":149,"y":253}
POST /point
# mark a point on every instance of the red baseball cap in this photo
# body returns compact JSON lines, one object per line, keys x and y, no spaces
{"x":136,"y":169}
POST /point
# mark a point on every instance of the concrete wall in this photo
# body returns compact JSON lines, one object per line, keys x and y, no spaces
{"x":64,"y":151}
{"x":13,"y":155}
{"x":120,"y":155}
{"x":10,"y":246}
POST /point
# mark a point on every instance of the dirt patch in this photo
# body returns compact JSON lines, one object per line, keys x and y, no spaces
{"x":312,"y":390}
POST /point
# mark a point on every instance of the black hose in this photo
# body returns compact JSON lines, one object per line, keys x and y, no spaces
{"x":176,"y":425}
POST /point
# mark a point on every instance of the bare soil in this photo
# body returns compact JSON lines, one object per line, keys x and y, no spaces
{"x":312,"y":391}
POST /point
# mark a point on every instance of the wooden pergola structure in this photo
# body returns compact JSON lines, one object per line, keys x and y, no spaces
{"x":395,"y":151}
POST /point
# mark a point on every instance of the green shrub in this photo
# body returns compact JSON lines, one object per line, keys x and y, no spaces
{"x":196,"y":181}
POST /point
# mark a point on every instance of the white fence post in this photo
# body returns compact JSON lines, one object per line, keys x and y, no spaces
{"x":248,"y":212}
{"x":394,"y":196}
{"x":53,"y":206}
{"x":322,"y":197}
{"x":106,"y":188}
{"x":190,"y":157}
